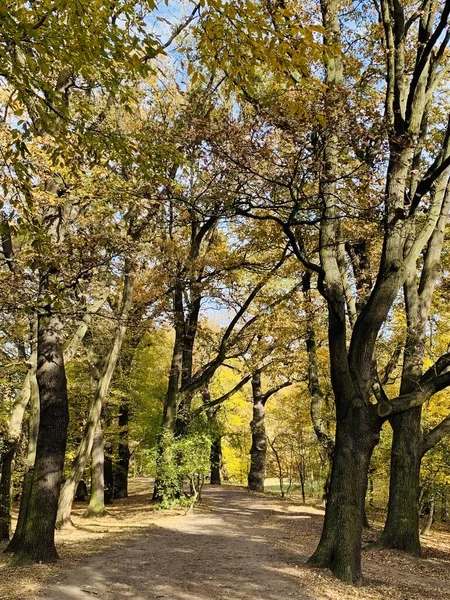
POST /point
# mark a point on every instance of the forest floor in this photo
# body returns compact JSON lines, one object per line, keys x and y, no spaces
{"x":234,"y":546}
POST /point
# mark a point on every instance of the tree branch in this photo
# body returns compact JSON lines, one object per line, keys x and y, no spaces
{"x":222,"y":398}
{"x":436,"y":434}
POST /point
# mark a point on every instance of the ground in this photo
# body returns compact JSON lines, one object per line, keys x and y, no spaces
{"x":234,"y":546}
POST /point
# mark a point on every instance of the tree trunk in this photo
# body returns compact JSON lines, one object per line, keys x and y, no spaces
{"x":430,"y":517}
{"x":301,"y":475}
{"x":33,"y":431}
{"x":12,"y":441}
{"x":96,"y":506}
{"x":5,"y":493}
{"x":37,"y":541}
{"x":444,"y":507}
{"x":258,"y":450}
{"x":163,"y":487}
{"x":95,"y":409}
{"x":401,"y":530}
{"x":339,"y":549}
{"x":108,"y":475}
{"x":30,"y":390}
{"x":123,"y":463}
{"x":279,"y":466}
{"x":216,"y":460}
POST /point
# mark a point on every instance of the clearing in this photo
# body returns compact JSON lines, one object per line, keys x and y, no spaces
{"x":235,"y":546}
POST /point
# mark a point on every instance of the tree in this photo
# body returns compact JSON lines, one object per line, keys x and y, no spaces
{"x":258,"y":451}
{"x":409,"y":444}
{"x":302,"y":202}
{"x":37,"y":541}
{"x":92,"y":430}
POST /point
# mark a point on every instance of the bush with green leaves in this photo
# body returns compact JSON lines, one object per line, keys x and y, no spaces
{"x":182,"y":464}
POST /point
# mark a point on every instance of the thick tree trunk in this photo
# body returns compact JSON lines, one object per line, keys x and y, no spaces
{"x":37,"y":541}
{"x":258,"y":450}
{"x":123,"y":460}
{"x":401,"y":530}
{"x":30,"y":390}
{"x":96,"y":506}
{"x":339,"y":548}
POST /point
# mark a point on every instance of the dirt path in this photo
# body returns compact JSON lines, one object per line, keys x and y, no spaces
{"x":223,"y":551}
{"x":243,"y":547}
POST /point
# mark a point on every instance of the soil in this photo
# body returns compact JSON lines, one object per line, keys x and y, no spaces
{"x":235,"y":546}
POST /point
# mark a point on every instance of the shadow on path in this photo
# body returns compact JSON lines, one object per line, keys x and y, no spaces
{"x":225,"y":550}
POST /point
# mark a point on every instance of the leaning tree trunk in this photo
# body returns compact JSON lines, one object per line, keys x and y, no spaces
{"x":96,"y":506}
{"x":33,"y":431}
{"x":95,"y":409}
{"x":12,"y":440}
{"x":258,"y":450}
{"x":37,"y":542}
{"x":357,"y":434}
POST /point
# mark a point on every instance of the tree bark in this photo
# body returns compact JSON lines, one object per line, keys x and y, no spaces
{"x":96,"y":506}
{"x":12,"y":441}
{"x":5,"y":494}
{"x":37,"y":542}
{"x":339,"y":548}
{"x":30,"y":390}
{"x":216,"y":461}
{"x":108,"y":474}
{"x":301,"y":476}
{"x":33,"y":431}
{"x":258,"y":450}
{"x":401,"y":530}
{"x":430,"y":517}
{"x":215,"y":457}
